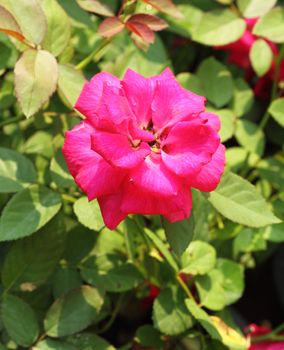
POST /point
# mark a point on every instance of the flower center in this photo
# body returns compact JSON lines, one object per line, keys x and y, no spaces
{"x":155,"y":146}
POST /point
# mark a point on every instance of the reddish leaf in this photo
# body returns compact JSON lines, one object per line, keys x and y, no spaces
{"x":153,"y":22}
{"x":139,"y":42}
{"x":96,"y":7}
{"x":110,"y":27}
{"x":141,"y":30}
{"x":9,"y":25}
{"x":166,"y":6}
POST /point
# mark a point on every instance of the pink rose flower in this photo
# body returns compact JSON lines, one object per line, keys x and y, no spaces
{"x":144,"y":143}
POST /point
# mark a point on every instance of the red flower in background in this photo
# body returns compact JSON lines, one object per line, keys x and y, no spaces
{"x":240,"y":49}
{"x":254,"y":331}
{"x":239,"y":52}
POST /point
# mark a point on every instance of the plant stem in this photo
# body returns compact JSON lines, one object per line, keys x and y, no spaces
{"x":141,"y":231}
{"x":129,"y":244}
{"x":68,"y":198}
{"x":266,"y":116}
{"x":184,"y":287}
{"x":10,"y":121}
{"x":81,"y":65}
{"x":113,"y":315}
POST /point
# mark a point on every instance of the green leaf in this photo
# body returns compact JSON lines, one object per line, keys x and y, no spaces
{"x":217,"y":81}
{"x":228,"y":121}
{"x":271,"y":25}
{"x":80,"y":242}
{"x":274,"y":233}
{"x":184,"y":26}
{"x":27,"y":211}
{"x":199,"y":258}
{"x":111,"y":272}
{"x":261,"y":57}
{"x":219,"y":27}
{"x":255,"y":8}
{"x":89,"y":213}
{"x":225,"y":2}
{"x":191,"y":82}
{"x":108,"y":241}
{"x":250,"y":136}
{"x":170,"y":315}
{"x":179,"y":234}
{"x":233,"y":279}
{"x":239,"y":201}
{"x":201,"y":209}
{"x":210,"y":290}
{"x":248,"y":241}
{"x":272,"y":170}
{"x":146,"y":63}
{"x":59,"y":171}
{"x":236,"y":156}
{"x":203,"y":318}
{"x":95,"y":6}
{"x":30,"y":18}
{"x":89,"y":341}
{"x":216,"y":328}
{"x":50,"y":344}
{"x":73,"y":312}
{"x":276,"y":109}
{"x":16,"y":171}
{"x":64,"y":280}
{"x":59,"y":27}
{"x":19,"y":320}
{"x":70,"y":83}
{"x":39,"y":143}
{"x":31,"y":261}
{"x":148,"y":336}
{"x":242,"y":98}
{"x":36,"y":75}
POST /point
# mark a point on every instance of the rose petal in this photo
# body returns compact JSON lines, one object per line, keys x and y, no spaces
{"x":189,"y":146}
{"x":117,"y":149}
{"x":174,"y":208}
{"x":139,"y":92}
{"x":152,"y":175}
{"x":110,"y":208}
{"x":88,"y":101}
{"x":211,"y":119}
{"x":114,"y":113}
{"x":172,"y":103}
{"x":90,"y":171}
{"x":209,"y":176}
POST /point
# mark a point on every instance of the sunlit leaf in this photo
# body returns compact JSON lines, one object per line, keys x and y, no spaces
{"x":36,"y":75}
{"x":239,"y":201}
{"x":27,"y":211}
{"x":30,"y":18}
